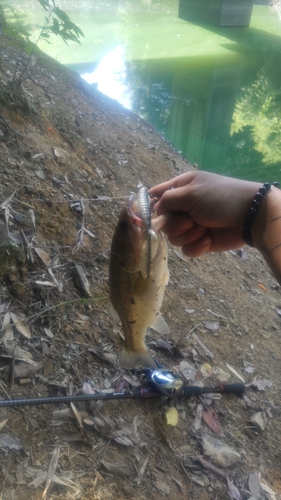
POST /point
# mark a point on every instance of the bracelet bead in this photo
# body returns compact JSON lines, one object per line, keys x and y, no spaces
{"x":246,"y":232}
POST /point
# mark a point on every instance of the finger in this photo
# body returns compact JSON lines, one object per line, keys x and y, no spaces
{"x":175,"y":200}
{"x":177,"y":224}
{"x":195,"y":233}
{"x":180,"y":180}
{"x":198,"y":247}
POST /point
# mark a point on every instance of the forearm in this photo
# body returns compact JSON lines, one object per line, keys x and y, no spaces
{"x":266,"y":231}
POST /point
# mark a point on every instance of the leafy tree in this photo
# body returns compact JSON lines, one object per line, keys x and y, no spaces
{"x":56,"y":22}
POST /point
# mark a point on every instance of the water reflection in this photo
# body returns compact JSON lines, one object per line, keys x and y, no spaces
{"x":213,"y":92}
{"x":110,"y":77}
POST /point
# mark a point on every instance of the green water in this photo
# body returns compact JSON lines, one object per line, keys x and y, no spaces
{"x":214,"y":93}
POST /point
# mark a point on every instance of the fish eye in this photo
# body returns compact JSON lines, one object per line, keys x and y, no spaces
{"x":123,"y":225}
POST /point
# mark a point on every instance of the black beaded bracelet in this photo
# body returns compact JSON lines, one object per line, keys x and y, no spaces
{"x":246,"y":233}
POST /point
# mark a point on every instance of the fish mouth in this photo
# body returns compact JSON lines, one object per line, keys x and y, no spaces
{"x":140,"y":214}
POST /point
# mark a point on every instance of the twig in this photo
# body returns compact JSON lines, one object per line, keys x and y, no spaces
{"x":8,"y":126}
{"x":28,"y":246}
{"x":54,"y":307}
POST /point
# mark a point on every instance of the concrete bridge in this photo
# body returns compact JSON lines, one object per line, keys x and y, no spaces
{"x":217,"y":12}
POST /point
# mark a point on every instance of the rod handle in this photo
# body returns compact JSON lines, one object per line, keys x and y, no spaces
{"x":233,"y":388}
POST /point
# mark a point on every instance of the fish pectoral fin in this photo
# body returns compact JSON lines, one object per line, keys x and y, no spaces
{"x":130,"y":360}
{"x":113,"y":314}
{"x":160,"y":325}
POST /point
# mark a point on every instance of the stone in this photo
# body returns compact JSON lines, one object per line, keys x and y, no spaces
{"x":220,"y":453}
{"x":258,"y":420}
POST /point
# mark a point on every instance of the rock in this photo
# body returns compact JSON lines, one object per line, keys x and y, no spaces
{"x":258,"y":420}
{"x":254,"y":486}
{"x":220,"y":453}
{"x":60,"y":155}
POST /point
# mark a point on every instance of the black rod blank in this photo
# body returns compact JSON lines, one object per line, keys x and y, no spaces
{"x":144,"y":392}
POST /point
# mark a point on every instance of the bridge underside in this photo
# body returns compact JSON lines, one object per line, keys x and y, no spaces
{"x":217,"y":12}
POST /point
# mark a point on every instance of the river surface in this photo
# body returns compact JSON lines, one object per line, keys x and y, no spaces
{"x":214,"y":93}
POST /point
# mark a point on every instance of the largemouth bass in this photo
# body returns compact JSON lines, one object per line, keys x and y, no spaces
{"x":138,"y":274}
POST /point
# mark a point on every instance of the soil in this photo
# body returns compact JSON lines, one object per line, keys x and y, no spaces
{"x":69,"y":158}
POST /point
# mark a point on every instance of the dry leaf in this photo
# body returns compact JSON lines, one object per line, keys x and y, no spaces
{"x":44,"y":256}
{"x":20,"y":325}
{"x":170,"y":418}
{"x":38,"y":480}
{"x":23,"y":369}
{"x":198,"y":417}
{"x":188,"y":371}
{"x":233,"y":491}
{"x":3,"y":423}
{"x":262,"y":384}
{"x":120,"y":469}
{"x":48,"y":333}
{"x":10,"y":442}
{"x":51,"y":470}
{"x":141,"y":472}
{"x":210,"y":418}
{"x":45,"y":283}
{"x":212,"y":326}
{"x":78,"y":417}
{"x":162,"y":486}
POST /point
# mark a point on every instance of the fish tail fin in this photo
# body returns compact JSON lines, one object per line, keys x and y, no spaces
{"x":130,"y":360}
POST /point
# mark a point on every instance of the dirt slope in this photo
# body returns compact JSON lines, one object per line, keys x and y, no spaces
{"x":68,"y":157}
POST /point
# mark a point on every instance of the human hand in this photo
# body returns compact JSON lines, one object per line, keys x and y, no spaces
{"x":207,"y":211}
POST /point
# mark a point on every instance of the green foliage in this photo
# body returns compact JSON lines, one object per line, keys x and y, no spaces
{"x":258,"y":108}
{"x":56,"y":22}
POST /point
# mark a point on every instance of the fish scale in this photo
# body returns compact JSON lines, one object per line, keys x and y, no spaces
{"x":135,"y":294}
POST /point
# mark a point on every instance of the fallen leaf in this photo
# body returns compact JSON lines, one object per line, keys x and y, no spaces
{"x":206,"y":370}
{"x":210,"y":418}
{"x":38,"y":480}
{"x":188,"y":371}
{"x":120,"y":469}
{"x":162,"y":486}
{"x":212,"y":326}
{"x":45,"y":283}
{"x":51,"y":470}
{"x":78,"y":417}
{"x":198,"y":417}
{"x":170,"y":418}
{"x":44,"y":256}
{"x":23,"y":369}
{"x":3,"y":307}
{"x":141,"y":472}
{"x":232,"y":490}
{"x":10,"y":442}
{"x":48,"y":333}
{"x":3,"y":423}
{"x":20,"y":325}
{"x":262,"y":384}
{"x":162,"y":344}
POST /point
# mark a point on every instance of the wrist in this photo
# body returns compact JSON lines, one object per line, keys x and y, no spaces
{"x":266,"y":226}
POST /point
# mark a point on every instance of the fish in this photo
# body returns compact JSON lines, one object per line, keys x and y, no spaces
{"x":138,"y":275}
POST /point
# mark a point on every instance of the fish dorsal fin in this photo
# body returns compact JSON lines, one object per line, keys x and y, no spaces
{"x":160,"y":325}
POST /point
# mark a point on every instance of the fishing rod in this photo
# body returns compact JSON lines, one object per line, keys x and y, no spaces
{"x":161,"y":382}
